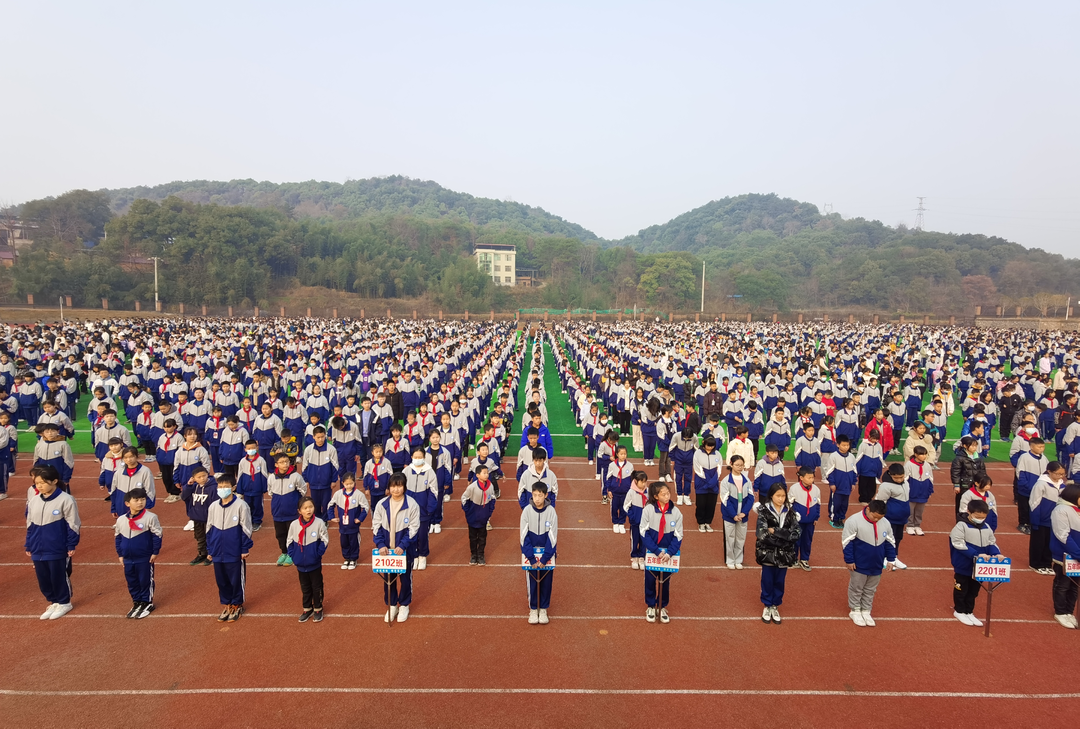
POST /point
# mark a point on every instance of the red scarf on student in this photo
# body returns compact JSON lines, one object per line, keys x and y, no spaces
{"x":663,"y":520}
{"x":133,"y":524}
{"x":303,"y":531}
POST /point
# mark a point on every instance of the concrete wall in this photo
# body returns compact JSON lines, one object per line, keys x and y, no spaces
{"x":989,"y":322}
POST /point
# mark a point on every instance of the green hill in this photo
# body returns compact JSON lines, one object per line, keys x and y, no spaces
{"x":357,"y":199}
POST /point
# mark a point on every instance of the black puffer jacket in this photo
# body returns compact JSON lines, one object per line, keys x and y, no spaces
{"x":779,"y":548}
{"x":965,"y":469}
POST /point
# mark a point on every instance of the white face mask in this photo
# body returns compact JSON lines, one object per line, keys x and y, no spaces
{"x":417,"y":462}
{"x":977,"y":521}
{"x":1030,"y":430}
{"x":252,"y":452}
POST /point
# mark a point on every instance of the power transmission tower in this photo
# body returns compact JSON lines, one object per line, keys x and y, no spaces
{"x":919,"y":214}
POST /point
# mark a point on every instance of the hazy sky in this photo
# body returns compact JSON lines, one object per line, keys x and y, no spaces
{"x":614,"y":115}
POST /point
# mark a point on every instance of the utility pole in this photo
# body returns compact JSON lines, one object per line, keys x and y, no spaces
{"x":703,"y":287}
{"x":157,"y":305}
{"x":919,"y":214}
{"x":62,"y":311}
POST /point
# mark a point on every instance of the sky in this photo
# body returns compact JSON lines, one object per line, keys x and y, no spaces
{"x":613,"y":115}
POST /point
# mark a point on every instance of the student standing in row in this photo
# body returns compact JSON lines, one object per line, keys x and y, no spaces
{"x":228,"y":540}
{"x":138,"y":543}
{"x":707,"y":462}
{"x":396,"y":523}
{"x":1065,"y":526}
{"x":662,"y":532}
{"x":970,"y":538}
{"x":736,"y":503}
{"x":52,"y":534}
{"x":868,"y":544}
{"x":539,"y":531}
{"x":805,"y":499}
{"x":776,"y":550}
{"x":1043,"y":499}
{"x":306,"y":543}
{"x":348,"y":509}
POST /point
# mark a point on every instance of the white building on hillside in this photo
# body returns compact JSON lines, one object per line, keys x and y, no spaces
{"x":498,"y":261}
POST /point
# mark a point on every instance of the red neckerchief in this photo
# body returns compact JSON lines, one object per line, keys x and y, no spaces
{"x":872,"y":523}
{"x":133,"y":524}
{"x":397,"y":444}
{"x":282,"y":475}
{"x":251,"y":464}
{"x":807,"y":495}
{"x":976,"y":493}
{"x":920,"y":465}
{"x":217,"y":423}
{"x":168,"y":440}
{"x":483,"y":486}
{"x":347,"y":497}
{"x":663,"y":520}
{"x":644,"y":497}
{"x":303,"y":530}
{"x":620,"y":467}
{"x":832,"y":433}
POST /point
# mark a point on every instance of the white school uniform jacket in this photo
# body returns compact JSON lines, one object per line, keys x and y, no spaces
{"x":530,"y":477}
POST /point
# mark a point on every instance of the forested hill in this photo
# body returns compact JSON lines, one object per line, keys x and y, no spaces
{"x":357,"y":199}
{"x":776,"y":250}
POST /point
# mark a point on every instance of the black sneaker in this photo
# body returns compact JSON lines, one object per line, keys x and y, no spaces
{"x":318,"y":616}
{"x":199,"y":559}
{"x":236,"y":612}
{"x":480,"y":561}
{"x":135,"y":609}
{"x":226,"y":611}
{"x":256,"y":527}
{"x":305,"y":615}
{"x":472,"y":560}
{"x":147,"y":608}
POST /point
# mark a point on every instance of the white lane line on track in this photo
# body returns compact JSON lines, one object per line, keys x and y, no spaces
{"x":421,"y":616}
{"x":546,"y":691}
{"x":514,"y":565}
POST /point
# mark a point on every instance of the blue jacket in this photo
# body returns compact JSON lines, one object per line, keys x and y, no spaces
{"x":544,"y":441}
{"x":307,"y":550}
{"x":966,"y":542}
{"x":228,"y":530}
{"x":730,"y":503}
{"x":53,"y":526}
{"x":867,"y":545}
{"x":138,"y":537}
{"x":406,"y":529}
{"x":1065,"y":531}
{"x":198,"y":498}
{"x":807,"y":504}
{"x":539,"y":529}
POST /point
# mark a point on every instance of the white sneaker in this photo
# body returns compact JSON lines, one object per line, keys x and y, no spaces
{"x":1072,"y":619}
{"x":446,"y":498}
{"x":766,"y":615}
{"x":664,"y":616}
{"x":962,"y":617}
{"x":731,"y":565}
{"x":669,"y":479}
{"x":3,"y":496}
{"x":867,"y":619}
{"x":352,"y":564}
{"x":431,"y":529}
{"x":49,"y":611}
{"x":543,"y":617}
{"x":633,"y":564}
{"x":701,"y":528}
{"x":622,"y":529}
{"x":190,"y":526}
{"x":974,"y":620}
{"x":489,"y":527}
{"x":438,"y":528}
{"x":857,"y":618}
{"x":910,"y":530}
{"x":421,"y":563}
{"x":918,"y":531}
{"x":1064,"y":621}
{"x":60,"y":611}
{"x":597,"y":477}
{"x":776,"y":615}
{"x":899,"y":565}
{"x":345,"y":565}
{"x":403,"y":613}
{"x":615,"y":528}
{"x":149,"y":459}
{"x":391,"y":614}
{"x":738,"y":565}
{"x":708,"y":528}
{"x":650,"y":615}
{"x":534,"y":617}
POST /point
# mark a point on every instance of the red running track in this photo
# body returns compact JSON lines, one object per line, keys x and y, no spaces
{"x":467,"y":657}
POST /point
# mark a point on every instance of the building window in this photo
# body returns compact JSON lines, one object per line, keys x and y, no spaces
{"x":497,"y":257}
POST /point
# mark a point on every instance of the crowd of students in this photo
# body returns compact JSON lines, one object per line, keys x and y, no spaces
{"x":337,"y":421}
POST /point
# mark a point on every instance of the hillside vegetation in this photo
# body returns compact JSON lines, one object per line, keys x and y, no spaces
{"x":246,"y":242}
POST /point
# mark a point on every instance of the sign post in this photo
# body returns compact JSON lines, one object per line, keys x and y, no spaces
{"x":1072,"y":571}
{"x":991,"y":573}
{"x":662,"y":570}
{"x":388,"y":564}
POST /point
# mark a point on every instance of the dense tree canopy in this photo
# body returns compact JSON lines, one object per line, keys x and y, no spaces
{"x":416,"y":238}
